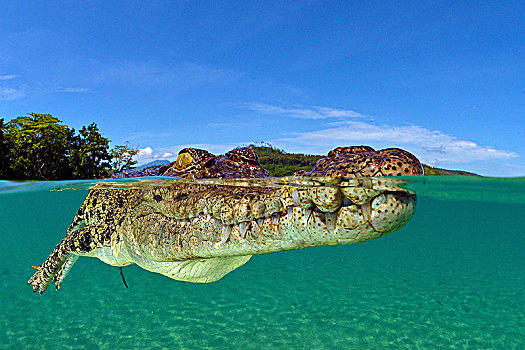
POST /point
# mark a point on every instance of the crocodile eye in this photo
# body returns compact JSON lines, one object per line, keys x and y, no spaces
{"x":183,"y":160}
{"x":157,"y":197}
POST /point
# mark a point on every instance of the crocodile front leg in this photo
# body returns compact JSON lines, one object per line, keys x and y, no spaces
{"x":45,"y":272}
{"x":65,"y":254}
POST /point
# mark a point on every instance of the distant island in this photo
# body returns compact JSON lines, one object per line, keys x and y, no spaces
{"x":438,"y":171}
{"x":153,"y":164}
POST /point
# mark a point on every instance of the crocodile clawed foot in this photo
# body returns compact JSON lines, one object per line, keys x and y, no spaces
{"x":62,"y":273}
{"x":58,"y":278}
{"x":39,"y":281}
{"x":55,"y":268}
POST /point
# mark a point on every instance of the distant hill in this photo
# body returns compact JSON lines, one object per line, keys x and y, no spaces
{"x":281,"y":163}
{"x":438,"y":171}
{"x":155,"y":163}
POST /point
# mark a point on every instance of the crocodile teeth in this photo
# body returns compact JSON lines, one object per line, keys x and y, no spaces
{"x":347,"y":202}
{"x":289,"y":211}
{"x":330,"y":219}
{"x":366,"y":210}
{"x":295,"y":197}
{"x":260,"y":221}
{"x":307,"y":212}
{"x":243,"y":228}
{"x":226,"y":230}
{"x":226,"y":233}
{"x":275,"y":218}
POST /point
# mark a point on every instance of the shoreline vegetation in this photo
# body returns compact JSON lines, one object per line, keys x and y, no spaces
{"x":41,"y":147}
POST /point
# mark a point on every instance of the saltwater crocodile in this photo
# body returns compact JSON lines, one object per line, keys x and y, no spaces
{"x":200,"y":230}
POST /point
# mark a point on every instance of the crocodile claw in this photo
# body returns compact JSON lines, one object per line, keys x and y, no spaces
{"x":62,"y":273}
{"x":38,"y":281}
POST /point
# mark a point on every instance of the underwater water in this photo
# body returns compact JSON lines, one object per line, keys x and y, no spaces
{"x":453,"y":277}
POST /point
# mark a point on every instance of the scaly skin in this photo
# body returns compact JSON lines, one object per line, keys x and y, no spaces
{"x":198,"y":231}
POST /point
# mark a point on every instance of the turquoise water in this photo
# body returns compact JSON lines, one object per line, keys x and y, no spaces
{"x":453,"y":277}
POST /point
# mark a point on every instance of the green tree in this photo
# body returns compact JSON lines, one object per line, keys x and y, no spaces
{"x":39,"y":147}
{"x":90,"y":155}
{"x":281,"y":163}
{"x":4,"y":152}
{"x":122,"y":157}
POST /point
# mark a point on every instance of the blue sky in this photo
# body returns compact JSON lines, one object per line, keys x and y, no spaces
{"x":444,"y":79}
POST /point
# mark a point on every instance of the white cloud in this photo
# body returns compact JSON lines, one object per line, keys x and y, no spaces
{"x":166,"y":155}
{"x":144,"y":155}
{"x":177,"y":75}
{"x":312,"y":112}
{"x":346,"y":127}
{"x":9,"y":94}
{"x":9,"y":76}
{"x":73,"y":89}
{"x":433,"y":147}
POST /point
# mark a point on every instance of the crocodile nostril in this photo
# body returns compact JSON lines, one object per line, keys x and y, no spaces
{"x":157,"y":197}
